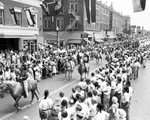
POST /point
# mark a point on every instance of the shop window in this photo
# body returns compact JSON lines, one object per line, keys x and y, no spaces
{"x":1,"y":16}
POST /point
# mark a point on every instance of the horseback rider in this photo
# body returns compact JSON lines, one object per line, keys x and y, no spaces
{"x":83,"y":68}
{"x":24,"y":78}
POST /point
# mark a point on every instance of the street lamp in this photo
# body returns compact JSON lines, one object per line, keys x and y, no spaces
{"x":57,"y":29}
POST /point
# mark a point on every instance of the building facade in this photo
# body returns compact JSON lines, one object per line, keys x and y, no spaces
{"x":107,"y":19}
{"x":20,"y":24}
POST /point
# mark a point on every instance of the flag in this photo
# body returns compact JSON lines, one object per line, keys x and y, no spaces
{"x":59,"y":6}
{"x":44,"y":8}
{"x":90,"y":6}
{"x":53,"y":8}
{"x":30,"y":18}
{"x":13,"y":14}
{"x":138,"y":5}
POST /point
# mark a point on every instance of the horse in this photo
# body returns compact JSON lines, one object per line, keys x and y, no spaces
{"x":83,"y":69}
{"x":68,"y":67}
{"x":16,"y":90}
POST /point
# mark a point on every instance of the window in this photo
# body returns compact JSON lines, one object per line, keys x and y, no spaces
{"x":75,"y":26}
{"x":60,"y":23}
{"x":1,"y":16}
{"x":34,"y":18}
{"x":19,"y":18}
{"x":34,"y":13}
{"x":97,"y":13}
{"x":74,"y":7}
{"x":47,"y":24}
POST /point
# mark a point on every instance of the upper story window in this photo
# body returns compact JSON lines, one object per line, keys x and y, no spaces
{"x":16,"y":14}
{"x":47,"y":23}
{"x":74,"y":7}
{"x":1,"y":16}
{"x":19,"y":18}
{"x":1,"y":13}
{"x":31,"y":14}
{"x":60,"y":22}
{"x":97,"y":13}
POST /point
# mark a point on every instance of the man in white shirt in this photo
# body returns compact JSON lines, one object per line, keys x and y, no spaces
{"x":137,"y":67}
{"x":93,"y":78}
{"x":124,"y":76}
{"x":119,"y":89}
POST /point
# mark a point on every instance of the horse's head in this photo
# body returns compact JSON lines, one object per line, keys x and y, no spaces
{"x":9,"y":84}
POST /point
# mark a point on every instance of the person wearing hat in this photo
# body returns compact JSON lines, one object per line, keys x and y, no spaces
{"x":113,"y":108}
{"x":25,"y":118}
{"x":93,"y":110}
{"x":56,"y":108}
{"x":121,"y":114}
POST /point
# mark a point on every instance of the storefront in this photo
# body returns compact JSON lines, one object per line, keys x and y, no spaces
{"x":19,"y":38}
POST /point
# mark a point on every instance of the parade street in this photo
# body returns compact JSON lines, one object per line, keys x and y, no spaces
{"x":139,"y":109}
{"x":54,"y":85}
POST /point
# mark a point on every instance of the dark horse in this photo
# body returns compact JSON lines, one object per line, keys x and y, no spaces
{"x":83,"y":69}
{"x":17,"y":91}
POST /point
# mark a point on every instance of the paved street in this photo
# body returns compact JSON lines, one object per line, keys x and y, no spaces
{"x":54,"y":85}
{"x":140,"y":101}
{"x":139,"y":109}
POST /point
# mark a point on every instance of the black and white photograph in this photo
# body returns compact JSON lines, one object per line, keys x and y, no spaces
{"x":74,"y":59}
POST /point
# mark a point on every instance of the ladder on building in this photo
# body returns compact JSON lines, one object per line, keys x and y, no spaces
{"x":68,"y":27}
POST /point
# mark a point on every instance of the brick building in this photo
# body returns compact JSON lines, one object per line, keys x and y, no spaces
{"x":72,"y":30}
{"x":20,"y":24}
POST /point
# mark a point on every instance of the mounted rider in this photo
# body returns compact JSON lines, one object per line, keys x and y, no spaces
{"x":83,"y":68}
{"x":26,"y":76}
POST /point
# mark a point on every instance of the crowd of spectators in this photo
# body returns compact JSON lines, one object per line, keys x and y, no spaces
{"x":105,"y":96}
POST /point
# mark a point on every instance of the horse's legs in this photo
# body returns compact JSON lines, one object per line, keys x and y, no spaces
{"x":36,"y":96}
{"x":65,"y":75}
{"x":32,"y":93}
{"x":16,"y":103}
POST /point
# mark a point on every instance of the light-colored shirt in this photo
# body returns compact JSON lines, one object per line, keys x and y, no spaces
{"x":119,"y":88}
{"x":45,"y":104}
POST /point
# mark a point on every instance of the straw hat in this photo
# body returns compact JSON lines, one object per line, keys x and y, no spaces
{"x":26,"y":118}
{"x":121,"y":113}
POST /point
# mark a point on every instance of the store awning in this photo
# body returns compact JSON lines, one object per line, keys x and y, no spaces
{"x":75,"y":41}
{"x":99,"y":40}
{"x":51,"y":36}
{"x":99,"y":36}
{"x":111,"y":34}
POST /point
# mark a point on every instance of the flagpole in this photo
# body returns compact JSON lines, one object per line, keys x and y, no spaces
{"x":93,"y":34}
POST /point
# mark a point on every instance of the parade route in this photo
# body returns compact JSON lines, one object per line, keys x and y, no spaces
{"x":54,"y":85}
